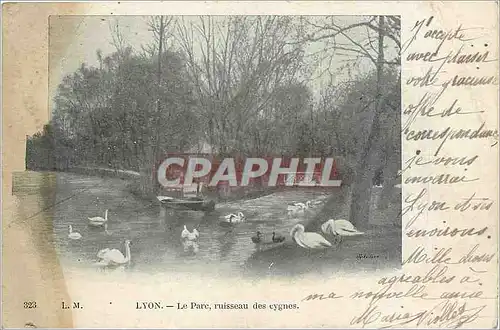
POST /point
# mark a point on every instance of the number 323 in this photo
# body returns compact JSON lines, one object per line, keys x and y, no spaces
{"x":29,"y":304}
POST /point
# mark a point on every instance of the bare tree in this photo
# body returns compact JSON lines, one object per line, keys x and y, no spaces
{"x":117,"y":37}
{"x":159,"y":26}
{"x":237,"y":64}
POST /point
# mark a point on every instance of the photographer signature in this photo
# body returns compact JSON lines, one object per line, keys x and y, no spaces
{"x":446,"y":314}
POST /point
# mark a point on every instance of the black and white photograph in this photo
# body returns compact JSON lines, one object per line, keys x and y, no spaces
{"x":156,"y":122}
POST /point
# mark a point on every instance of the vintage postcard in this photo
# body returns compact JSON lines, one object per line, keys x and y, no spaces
{"x":262,"y":164}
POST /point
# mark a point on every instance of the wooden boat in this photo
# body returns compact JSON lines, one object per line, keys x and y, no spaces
{"x":189,"y":204}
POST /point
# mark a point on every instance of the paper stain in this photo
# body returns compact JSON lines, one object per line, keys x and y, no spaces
{"x":38,"y":276}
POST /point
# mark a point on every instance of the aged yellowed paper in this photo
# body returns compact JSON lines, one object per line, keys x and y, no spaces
{"x":250,"y":164}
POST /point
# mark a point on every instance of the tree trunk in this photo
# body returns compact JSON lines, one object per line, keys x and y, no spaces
{"x":390,"y":179}
{"x":147,"y":184}
{"x":362,"y":186}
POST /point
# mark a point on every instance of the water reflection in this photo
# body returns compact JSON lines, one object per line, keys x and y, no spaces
{"x":226,"y":244}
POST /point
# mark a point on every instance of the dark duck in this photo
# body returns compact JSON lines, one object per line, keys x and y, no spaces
{"x":277,"y":238}
{"x":257,"y":238}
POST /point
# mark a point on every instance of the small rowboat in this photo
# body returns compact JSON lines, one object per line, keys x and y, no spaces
{"x":192,"y":203}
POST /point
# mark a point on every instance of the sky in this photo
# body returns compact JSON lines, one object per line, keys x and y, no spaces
{"x":74,"y":40}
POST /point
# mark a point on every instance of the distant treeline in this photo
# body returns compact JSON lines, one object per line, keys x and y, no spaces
{"x":121,"y":132}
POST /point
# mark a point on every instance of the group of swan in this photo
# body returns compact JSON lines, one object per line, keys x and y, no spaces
{"x":190,"y":239}
{"x":106,"y":257}
{"x":113,"y":257}
{"x":311,"y":240}
{"x":93,"y":222}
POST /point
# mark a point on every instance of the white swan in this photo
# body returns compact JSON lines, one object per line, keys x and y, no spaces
{"x":73,"y":234}
{"x":298,"y":207}
{"x":308,"y":240}
{"x":305,"y":205}
{"x":98,"y":221}
{"x":191,"y":236}
{"x":189,"y":239}
{"x":164,"y":198}
{"x":113,"y":257}
{"x":399,"y":185}
{"x":317,"y":202}
{"x":340,"y":227}
{"x":235,"y":218}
